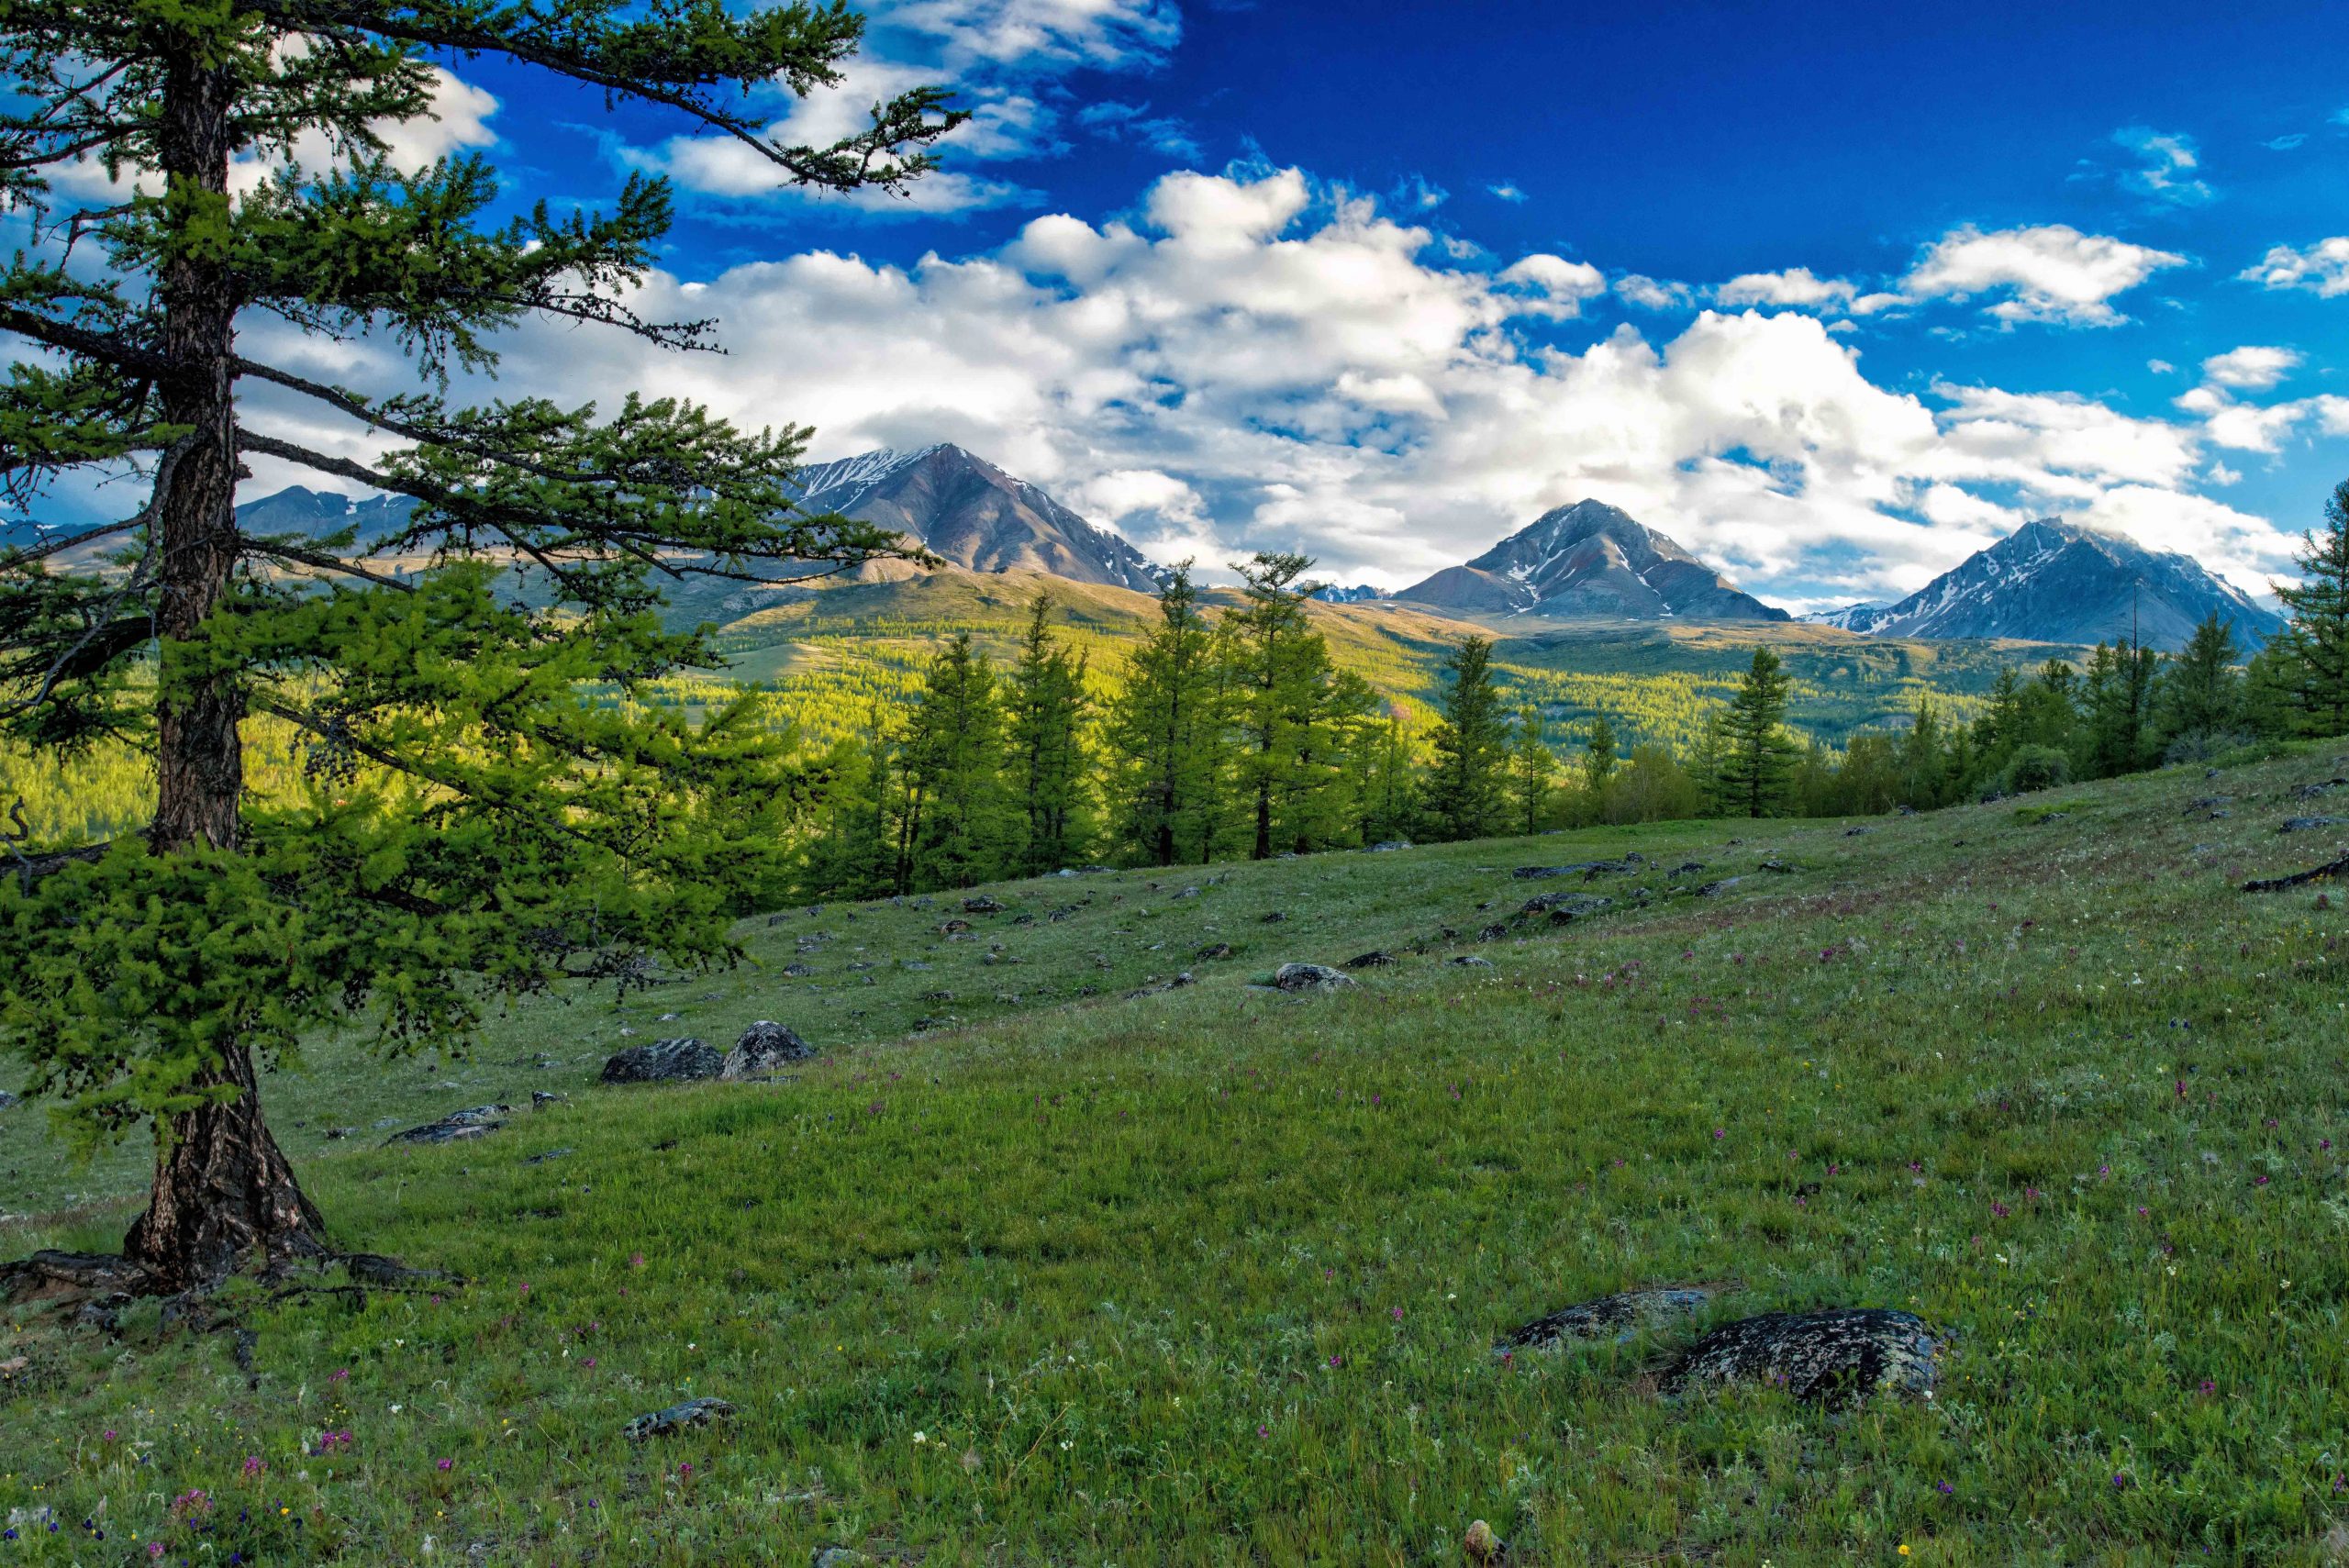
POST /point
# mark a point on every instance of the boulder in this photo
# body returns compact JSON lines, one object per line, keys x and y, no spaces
{"x":2308,"y":824}
{"x":676,"y":1418}
{"x":982,"y":903}
{"x":1564,"y":907}
{"x":476,"y":1121}
{"x":765,"y":1046}
{"x":1378,"y":959}
{"x":1618,"y":1317}
{"x":1301,"y":977}
{"x":1584,"y":869}
{"x":664,"y":1061}
{"x":1828,"y":1357}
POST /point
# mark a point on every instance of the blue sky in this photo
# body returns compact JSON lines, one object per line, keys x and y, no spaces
{"x":1834,"y":294}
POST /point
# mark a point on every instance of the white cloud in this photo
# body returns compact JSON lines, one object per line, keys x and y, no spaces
{"x":2052,"y":272}
{"x":1507,"y":191}
{"x":1653,"y":294}
{"x":1796,"y":286}
{"x":2167,"y":173}
{"x":2251,"y":367}
{"x":1258,"y":360}
{"x":2321,"y":269}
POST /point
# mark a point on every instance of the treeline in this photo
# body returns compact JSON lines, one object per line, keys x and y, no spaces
{"x":1234,"y":735}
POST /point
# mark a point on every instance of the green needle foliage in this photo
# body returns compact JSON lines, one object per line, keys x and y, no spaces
{"x":471,"y":824}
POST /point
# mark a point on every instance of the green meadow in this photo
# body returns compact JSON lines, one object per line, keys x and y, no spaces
{"x":1030,"y":1269}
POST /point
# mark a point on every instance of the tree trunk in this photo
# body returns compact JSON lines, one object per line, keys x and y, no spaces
{"x":223,"y":1193}
{"x":222,"y":1190}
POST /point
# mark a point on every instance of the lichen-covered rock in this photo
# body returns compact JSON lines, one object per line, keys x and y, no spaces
{"x":982,"y":904}
{"x":676,"y":1418}
{"x":765,"y":1047}
{"x":1828,"y":1357}
{"x":1471,"y":960}
{"x":1618,"y":1317}
{"x":1584,"y":869}
{"x":664,"y":1061}
{"x":2308,"y":823}
{"x":1377,"y":958}
{"x":475,"y":1121}
{"x":1310,"y":977}
{"x":1564,"y":907}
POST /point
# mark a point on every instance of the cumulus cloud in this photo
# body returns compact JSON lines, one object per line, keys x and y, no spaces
{"x":2250,"y":368}
{"x":1653,"y":294}
{"x":2052,"y":272}
{"x":2320,"y":269}
{"x":1003,"y":58}
{"x":1794,"y":287}
{"x":1257,"y":360}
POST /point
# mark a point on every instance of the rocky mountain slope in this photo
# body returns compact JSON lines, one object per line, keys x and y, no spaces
{"x":975,"y":514}
{"x":2053,"y":581}
{"x":1590,"y":560}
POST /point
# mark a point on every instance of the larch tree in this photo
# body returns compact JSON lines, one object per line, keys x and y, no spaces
{"x":1532,"y":768}
{"x":1466,"y":789}
{"x":1045,"y":705}
{"x":1166,"y":734}
{"x":480,"y":827}
{"x":2316,"y":645}
{"x":1758,"y":759}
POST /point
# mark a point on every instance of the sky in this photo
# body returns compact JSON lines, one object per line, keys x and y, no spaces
{"x":1833,"y":294}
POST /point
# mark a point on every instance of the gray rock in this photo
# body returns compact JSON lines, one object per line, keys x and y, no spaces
{"x":765,"y":1047}
{"x":1301,"y":977}
{"x":542,"y":1098}
{"x":1618,"y":1317}
{"x":982,"y":903}
{"x":1216,"y":949}
{"x":2319,"y":789}
{"x":2308,"y":824}
{"x":1828,"y":1357}
{"x":1492,"y":933}
{"x":1378,"y":959}
{"x":1584,"y":869}
{"x":476,"y":1121}
{"x":549,"y":1154}
{"x":1723,"y":885}
{"x":841,"y":1556}
{"x":1274,"y":917}
{"x":1389,"y":846}
{"x":1470,"y":960}
{"x":1564,"y":907}
{"x":664,"y":1061}
{"x":6,"y":1100}
{"x":676,"y":1418}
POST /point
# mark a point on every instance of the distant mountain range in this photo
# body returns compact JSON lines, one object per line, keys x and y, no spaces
{"x":1590,"y":560}
{"x":971,"y":512}
{"x":2053,"y":581}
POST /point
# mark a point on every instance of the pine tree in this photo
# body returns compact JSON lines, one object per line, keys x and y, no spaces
{"x":849,"y":851}
{"x":1599,"y":757}
{"x":1924,"y":759}
{"x":958,"y":824}
{"x":1165,"y":732}
{"x":2317,"y":643}
{"x":1531,"y":767}
{"x":1045,"y":706}
{"x":2201,"y":693}
{"x":2118,"y":694}
{"x":1281,"y":675}
{"x":1760,"y":758}
{"x":480,"y":827}
{"x":1465,"y":791}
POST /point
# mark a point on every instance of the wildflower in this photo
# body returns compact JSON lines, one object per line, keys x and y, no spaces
{"x":921,"y":1438}
{"x":1904,"y":1548}
{"x":1947,"y":1490}
{"x":1399,"y":1314}
{"x":1719,"y":1134}
{"x":445,"y":1465}
{"x":588,"y":1361}
{"x":1260,"y":1431}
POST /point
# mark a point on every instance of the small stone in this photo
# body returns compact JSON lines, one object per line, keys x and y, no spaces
{"x":664,"y":1061}
{"x":1216,"y":949}
{"x":1274,"y":918}
{"x":1377,"y":958}
{"x":1470,"y":960}
{"x":1481,"y":1544}
{"x":841,"y":1556}
{"x":1619,"y":1316}
{"x":2308,"y":823}
{"x":982,"y":903}
{"x":1302,"y":977}
{"x":1563,"y":908}
{"x":676,"y":1418}
{"x":549,"y":1154}
{"x":1388,"y":846}
{"x":477,"y":1121}
{"x":542,"y":1098}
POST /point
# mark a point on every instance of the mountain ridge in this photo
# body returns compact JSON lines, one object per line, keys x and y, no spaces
{"x":2054,"y":580}
{"x":1590,"y":561}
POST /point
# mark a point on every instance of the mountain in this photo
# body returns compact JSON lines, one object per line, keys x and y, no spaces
{"x":1590,"y":560}
{"x":2053,"y":581}
{"x":1361,"y":593}
{"x":317,"y":513}
{"x":974,"y":515}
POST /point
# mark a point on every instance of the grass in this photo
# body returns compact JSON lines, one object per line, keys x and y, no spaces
{"x":1212,"y":1276}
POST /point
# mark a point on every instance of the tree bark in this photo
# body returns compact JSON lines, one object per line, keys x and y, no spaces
{"x":222,"y":1190}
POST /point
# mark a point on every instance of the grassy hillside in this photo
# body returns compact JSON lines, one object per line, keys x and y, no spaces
{"x":837,"y":654}
{"x":1027,"y":1269}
